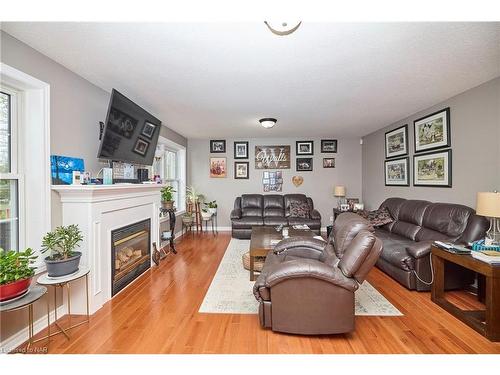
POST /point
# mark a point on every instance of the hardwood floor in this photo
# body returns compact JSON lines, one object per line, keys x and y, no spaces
{"x":159,"y":314}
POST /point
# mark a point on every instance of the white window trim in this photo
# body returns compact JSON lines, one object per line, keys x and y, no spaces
{"x":180,"y":172}
{"x":34,"y":155}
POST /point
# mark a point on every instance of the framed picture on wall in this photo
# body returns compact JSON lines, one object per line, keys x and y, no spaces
{"x":396,"y":142}
{"x":432,"y":131}
{"x":432,"y":169}
{"x":304,"y":164}
{"x":397,"y":172}
{"x":240,"y":150}
{"x":328,"y":146}
{"x":304,"y":148}
{"x":218,"y":167}
{"x":328,"y":162}
{"x":217,"y":146}
{"x":241,"y":170}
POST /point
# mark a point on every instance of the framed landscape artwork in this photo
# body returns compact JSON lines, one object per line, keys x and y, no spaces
{"x":217,"y":146}
{"x":241,"y":170}
{"x":304,"y":148}
{"x":328,"y":145}
{"x":432,"y":169}
{"x":432,"y":131}
{"x":396,"y":172}
{"x":304,"y":164}
{"x":218,"y":167}
{"x":240,"y":150}
{"x":396,"y":142}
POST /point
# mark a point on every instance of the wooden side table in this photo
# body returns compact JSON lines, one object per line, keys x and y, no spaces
{"x":486,"y":322}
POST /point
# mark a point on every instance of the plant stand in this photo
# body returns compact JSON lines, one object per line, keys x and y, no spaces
{"x":171,"y":216}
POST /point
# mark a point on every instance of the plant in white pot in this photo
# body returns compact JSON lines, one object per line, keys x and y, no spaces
{"x":205,"y":214}
{"x":167,"y":197}
{"x":62,"y":242}
{"x":211,"y":207}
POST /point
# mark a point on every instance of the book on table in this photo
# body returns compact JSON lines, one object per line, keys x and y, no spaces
{"x":488,"y":256}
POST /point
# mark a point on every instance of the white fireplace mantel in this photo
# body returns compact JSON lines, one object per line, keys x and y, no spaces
{"x":99,"y":209}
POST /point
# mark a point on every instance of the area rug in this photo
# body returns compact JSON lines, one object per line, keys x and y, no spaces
{"x":231,"y":289}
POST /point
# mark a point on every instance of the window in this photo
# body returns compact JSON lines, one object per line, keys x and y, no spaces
{"x":10,"y":179}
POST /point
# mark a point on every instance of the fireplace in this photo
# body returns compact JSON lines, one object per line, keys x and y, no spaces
{"x":130,"y":253}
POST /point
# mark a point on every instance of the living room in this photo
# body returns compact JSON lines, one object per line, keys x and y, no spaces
{"x":250,"y":187}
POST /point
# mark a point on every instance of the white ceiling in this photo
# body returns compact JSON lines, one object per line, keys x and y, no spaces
{"x":327,"y":79}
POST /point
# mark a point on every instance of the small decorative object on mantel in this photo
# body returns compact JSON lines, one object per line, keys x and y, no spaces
{"x":241,"y":170}
{"x":433,"y":169}
{"x":432,"y":131}
{"x":218,"y":167}
{"x":272,"y":157}
{"x":396,"y":142}
{"x":328,"y":146}
{"x":62,"y":242}
{"x":62,"y":168}
{"x":297,"y":180}
{"x":240,"y":150}
{"x":304,"y":148}
{"x":328,"y":162}
{"x":217,"y":146}
{"x":396,"y":172}
{"x":16,"y":272}
{"x":304,"y":164}
{"x":272,"y":181}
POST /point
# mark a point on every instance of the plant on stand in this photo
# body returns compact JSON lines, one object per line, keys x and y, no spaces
{"x":62,"y":242}
{"x":167,"y":197}
{"x":211,"y":207}
{"x":193,"y":197}
{"x":16,"y":272}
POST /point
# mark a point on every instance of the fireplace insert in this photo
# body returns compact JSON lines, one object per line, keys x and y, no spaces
{"x":130,"y":253}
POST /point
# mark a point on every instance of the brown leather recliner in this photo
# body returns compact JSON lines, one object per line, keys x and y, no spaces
{"x":307,"y":285}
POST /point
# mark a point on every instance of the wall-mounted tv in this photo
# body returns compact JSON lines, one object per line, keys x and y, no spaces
{"x":130,"y":132}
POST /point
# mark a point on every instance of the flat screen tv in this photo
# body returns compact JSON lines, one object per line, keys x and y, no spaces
{"x":130,"y":132}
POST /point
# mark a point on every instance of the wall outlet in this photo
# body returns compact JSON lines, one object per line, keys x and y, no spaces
{"x":331,"y":219}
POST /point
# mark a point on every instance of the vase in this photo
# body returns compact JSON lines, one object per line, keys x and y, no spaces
{"x":14,"y":289}
{"x":63,"y":267}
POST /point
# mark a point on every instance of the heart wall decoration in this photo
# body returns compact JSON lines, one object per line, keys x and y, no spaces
{"x":297,"y":180}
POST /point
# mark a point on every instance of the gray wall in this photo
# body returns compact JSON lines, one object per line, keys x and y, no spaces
{"x":318,"y":184}
{"x":475,"y":141}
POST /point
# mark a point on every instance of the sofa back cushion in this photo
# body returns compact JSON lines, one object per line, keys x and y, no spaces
{"x":289,"y":198}
{"x":393,"y":205}
{"x":356,"y":253}
{"x":299,"y":209}
{"x":444,"y":221}
{"x":274,"y":206}
{"x":410,"y":217}
{"x":345,"y":228}
{"x":251,"y":205}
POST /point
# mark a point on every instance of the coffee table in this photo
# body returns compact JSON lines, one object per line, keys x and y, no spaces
{"x":262,"y":240}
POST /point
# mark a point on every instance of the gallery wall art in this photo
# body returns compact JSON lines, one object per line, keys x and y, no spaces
{"x":272,"y":157}
{"x":396,"y":142}
{"x":432,"y":169}
{"x":432,"y":131}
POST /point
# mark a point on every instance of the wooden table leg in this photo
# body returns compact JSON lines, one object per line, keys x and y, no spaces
{"x":492,"y":308}
{"x":252,"y":275}
{"x":437,"y":289}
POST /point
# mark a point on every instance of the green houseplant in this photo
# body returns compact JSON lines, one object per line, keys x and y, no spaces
{"x":211,"y":206}
{"x":16,"y":272}
{"x":167,"y":196}
{"x":62,"y":242}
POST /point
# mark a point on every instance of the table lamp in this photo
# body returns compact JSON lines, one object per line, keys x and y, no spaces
{"x":488,"y":204}
{"x":339,"y":192}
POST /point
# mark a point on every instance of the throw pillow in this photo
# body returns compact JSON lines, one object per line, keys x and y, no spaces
{"x":299,"y":209}
{"x":377,"y":217}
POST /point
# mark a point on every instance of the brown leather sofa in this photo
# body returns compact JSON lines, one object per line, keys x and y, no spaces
{"x":269,"y":210}
{"x":307,"y":285}
{"x":417,"y":224}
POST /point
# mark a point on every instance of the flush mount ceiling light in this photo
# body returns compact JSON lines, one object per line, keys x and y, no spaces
{"x":282,"y":28}
{"x":268,"y":122}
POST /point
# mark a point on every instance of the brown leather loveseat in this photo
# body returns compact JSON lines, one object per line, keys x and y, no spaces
{"x":307,"y":285}
{"x":417,"y":224}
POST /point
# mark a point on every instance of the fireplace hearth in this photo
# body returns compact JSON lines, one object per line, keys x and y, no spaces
{"x":130,"y":253}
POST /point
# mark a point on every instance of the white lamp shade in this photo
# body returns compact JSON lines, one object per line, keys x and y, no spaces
{"x":339,"y":191}
{"x":488,"y":204}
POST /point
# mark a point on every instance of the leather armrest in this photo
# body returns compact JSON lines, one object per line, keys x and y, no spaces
{"x":300,"y":241}
{"x":308,"y":268}
{"x":315,"y":215}
{"x":419,"y":249}
{"x":236,"y":213}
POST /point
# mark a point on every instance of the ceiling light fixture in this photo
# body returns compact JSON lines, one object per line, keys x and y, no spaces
{"x":282,"y":28}
{"x":268,"y":123}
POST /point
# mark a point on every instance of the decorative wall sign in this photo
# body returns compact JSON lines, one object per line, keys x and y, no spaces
{"x":432,"y":131}
{"x":328,"y":145}
{"x":241,"y":170}
{"x":240,"y":150}
{"x":218,"y":167}
{"x":304,"y":164}
{"x":328,"y":162}
{"x":297,"y":180}
{"x":217,"y":146}
{"x":396,"y":142}
{"x":396,"y":172}
{"x":304,"y":148}
{"x":272,"y":157}
{"x":272,"y":181}
{"x":432,"y":169}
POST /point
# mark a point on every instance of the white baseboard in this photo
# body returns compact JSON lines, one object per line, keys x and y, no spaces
{"x":21,"y":336}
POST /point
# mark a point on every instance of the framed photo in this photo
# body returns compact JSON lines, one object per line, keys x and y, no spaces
{"x":241,"y":150}
{"x":396,"y":142}
{"x":148,"y":129}
{"x":218,"y":146}
{"x":272,"y":181}
{"x":218,"y":168}
{"x":141,"y":146}
{"x":351,"y":202}
{"x":396,"y":172}
{"x":432,"y":169}
{"x":241,"y":170}
{"x":304,"y":164}
{"x":432,"y":131}
{"x":121,"y":123}
{"x":328,"y":162}
{"x":304,"y":148}
{"x":328,"y":146}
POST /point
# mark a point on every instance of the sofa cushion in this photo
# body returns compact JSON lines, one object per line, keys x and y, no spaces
{"x":378,"y":217}
{"x":247,"y":222}
{"x":299,"y":209}
{"x":356,"y":253}
{"x":447,"y":219}
{"x":345,"y":228}
{"x":393,"y":205}
{"x":274,"y":205}
{"x":405,"y":229}
{"x":394,"y":250}
{"x":275,"y":220}
{"x":251,"y":205}
{"x":289,"y":198}
{"x":412,"y":211}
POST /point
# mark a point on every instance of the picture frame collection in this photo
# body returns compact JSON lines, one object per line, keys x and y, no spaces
{"x":432,"y":163}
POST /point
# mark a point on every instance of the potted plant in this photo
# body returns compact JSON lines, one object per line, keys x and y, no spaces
{"x":62,"y":242}
{"x":16,"y":272}
{"x":167,"y":195}
{"x":187,"y":218}
{"x":211,"y":207}
{"x":205,"y":214}
{"x":192,"y":197}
